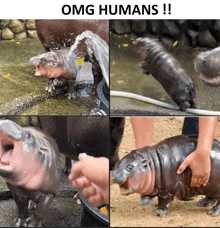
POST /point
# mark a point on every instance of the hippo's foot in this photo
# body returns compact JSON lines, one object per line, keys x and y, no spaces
{"x":50,"y":88}
{"x":146,"y":200}
{"x":83,"y":90}
{"x":71,"y":95}
{"x":20,"y":223}
{"x":161,"y":212}
{"x":33,"y":221}
{"x":184,"y":105}
{"x":52,"y":83}
{"x":206,"y":201}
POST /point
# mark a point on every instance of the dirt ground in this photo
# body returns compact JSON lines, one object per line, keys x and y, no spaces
{"x":126,"y":211}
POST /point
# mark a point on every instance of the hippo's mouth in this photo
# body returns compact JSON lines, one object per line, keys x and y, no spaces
{"x":215,"y":81}
{"x":124,"y":189}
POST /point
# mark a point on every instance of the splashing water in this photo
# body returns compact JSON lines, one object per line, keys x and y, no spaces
{"x":97,"y":46}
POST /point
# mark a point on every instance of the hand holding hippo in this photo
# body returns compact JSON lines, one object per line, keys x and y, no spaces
{"x":152,"y":171}
{"x":167,"y":71}
{"x":29,"y":163}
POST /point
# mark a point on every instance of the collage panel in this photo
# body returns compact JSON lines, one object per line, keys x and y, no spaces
{"x":54,"y":67}
{"x":145,"y":188}
{"x":39,"y":186}
{"x":164,"y":67}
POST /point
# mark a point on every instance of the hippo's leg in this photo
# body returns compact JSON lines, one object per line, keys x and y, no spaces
{"x":206,"y":201}
{"x":146,"y":200}
{"x":50,"y":86}
{"x":22,"y":205}
{"x":36,"y":217}
{"x":68,"y":166}
{"x":216,"y":209}
{"x":163,"y":205}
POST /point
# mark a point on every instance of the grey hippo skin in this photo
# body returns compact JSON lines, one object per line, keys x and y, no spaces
{"x":167,"y":71}
{"x":151,"y":171}
{"x":78,"y":134}
{"x":29,"y":163}
{"x":57,"y":36}
{"x":207,"y":64}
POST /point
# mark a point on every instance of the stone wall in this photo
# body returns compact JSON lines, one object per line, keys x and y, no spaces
{"x":17,"y":29}
{"x":195,"y":33}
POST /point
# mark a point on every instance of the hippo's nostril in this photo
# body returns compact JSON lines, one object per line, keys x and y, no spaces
{"x":8,"y":147}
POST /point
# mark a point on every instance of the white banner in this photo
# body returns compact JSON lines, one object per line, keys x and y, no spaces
{"x":158,"y":9}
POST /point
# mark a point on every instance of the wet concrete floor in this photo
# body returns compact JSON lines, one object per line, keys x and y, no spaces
{"x":126,"y":75}
{"x":17,"y":79}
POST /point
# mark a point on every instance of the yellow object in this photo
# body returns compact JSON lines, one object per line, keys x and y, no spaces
{"x":104,"y":210}
{"x":175,"y":43}
{"x":80,"y":60}
{"x":120,"y":81}
{"x":125,"y":45}
{"x":8,"y":75}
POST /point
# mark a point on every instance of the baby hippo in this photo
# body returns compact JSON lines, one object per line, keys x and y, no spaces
{"x":167,"y":71}
{"x":29,"y":163}
{"x":207,"y":64}
{"x":152,"y":171}
{"x":54,"y":65}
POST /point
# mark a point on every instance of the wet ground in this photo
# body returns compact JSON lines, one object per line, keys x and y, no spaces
{"x":63,"y":212}
{"x":18,"y":82}
{"x":126,"y":75}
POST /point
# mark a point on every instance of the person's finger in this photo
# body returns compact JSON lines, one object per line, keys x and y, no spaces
{"x":183,"y":166}
{"x":81,"y":182}
{"x":76,"y":171}
{"x":96,"y":200}
{"x":193,"y":181}
{"x":205,"y":180}
{"x":89,"y":191}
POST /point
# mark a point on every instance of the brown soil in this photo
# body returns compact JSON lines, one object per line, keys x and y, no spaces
{"x":126,"y":211}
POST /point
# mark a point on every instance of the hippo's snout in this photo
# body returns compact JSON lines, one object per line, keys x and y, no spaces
{"x":119,"y":177}
{"x":34,"y":61}
{"x":11,"y":129}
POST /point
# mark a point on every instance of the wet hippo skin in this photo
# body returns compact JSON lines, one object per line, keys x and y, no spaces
{"x":78,"y":134}
{"x":61,"y":34}
{"x":167,"y":71}
{"x":29,"y":163}
{"x":151,"y":171}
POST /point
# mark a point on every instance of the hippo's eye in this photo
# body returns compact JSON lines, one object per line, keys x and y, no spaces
{"x":28,"y":135}
{"x":129,"y":167}
{"x":43,"y":60}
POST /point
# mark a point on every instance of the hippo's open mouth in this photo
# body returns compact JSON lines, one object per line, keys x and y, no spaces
{"x":210,"y":81}
{"x":7,"y":147}
{"x":124,"y":189}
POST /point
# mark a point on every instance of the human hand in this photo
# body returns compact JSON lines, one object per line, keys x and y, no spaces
{"x":92,"y":175}
{"x":200,"y":165}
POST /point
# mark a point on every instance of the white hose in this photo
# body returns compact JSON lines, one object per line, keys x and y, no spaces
{"x":162,"y":104}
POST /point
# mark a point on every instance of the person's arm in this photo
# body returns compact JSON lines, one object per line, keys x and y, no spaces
{"x":199,"y":160}
{"x":143,"y":130}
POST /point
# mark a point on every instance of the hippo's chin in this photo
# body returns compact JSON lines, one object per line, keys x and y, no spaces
{"x":124,"y":190}
{"x":210,"y":81}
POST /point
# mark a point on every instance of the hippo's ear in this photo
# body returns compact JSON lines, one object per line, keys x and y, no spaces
{"x":145,"y":163}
